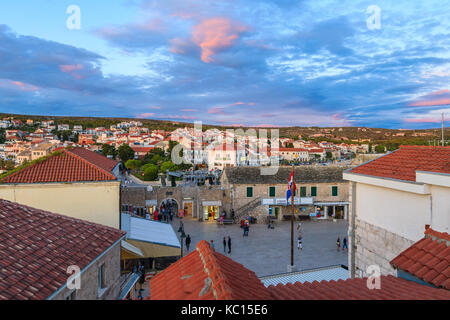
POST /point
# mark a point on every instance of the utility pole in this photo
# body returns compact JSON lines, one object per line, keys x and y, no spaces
{"x":292,"y":218}
{"x":442,"y":129}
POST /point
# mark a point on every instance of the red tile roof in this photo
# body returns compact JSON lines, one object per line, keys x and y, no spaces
{"x":205,"y":274}
{"x":391,"y":288}
{"x":36,"y":247}
{"x":67,"y":165}
{"x":428,"y":259}
{"x":403,"y":163}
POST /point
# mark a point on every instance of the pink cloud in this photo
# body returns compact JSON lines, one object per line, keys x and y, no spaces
{"x":17,"y":85}
{"x":145,"y":115}
{"x":216,"y":110}
{"x":435,"y":98}
{"x":215,"y":35}
{"x":189,"y":110}
{"x":70,"y":67}
{"x":155,"y":107}
{"x":424,"y":120}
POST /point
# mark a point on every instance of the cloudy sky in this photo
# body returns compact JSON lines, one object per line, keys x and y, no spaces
{"x":230,"y":62}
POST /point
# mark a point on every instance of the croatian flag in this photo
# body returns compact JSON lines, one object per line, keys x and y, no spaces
{"x":291,"y":186}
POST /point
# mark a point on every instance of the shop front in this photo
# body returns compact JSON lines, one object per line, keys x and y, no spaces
{"x":211,"y":210}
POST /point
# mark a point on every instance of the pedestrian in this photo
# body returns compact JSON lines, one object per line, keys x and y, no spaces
{"x":212,"y":245}
{"x":229,"y":244}
{"x":188,"y":242}
{"x":299,"y":242}
{"x":171,"y":216}
{"x":224,"y":245}
{"x":344,"y":244}
{"x":338,"y":243}
{"x":232,"y":214}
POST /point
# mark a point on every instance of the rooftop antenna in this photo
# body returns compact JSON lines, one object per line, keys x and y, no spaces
{"x":442,"y":129}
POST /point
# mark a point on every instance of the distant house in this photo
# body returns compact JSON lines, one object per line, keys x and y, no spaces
{"x":75,"y":182}
{"x":392,"y":199}
{"x":41,"y":247}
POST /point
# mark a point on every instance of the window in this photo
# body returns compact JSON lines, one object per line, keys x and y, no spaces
{"x":313,"y":191}
{"x":101,"y":277}
{"x":271,"y":191}
{"x":249,"y":192}
{"x":334,"y":191}
{"x":302,"y":191}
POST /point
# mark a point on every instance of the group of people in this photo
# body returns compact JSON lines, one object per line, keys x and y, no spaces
{"x":164,"y":215}
{"x":344,"y":244}
{"x":226,"y":243}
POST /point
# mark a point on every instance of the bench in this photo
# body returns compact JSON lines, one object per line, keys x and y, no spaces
{"x":226,"y":221}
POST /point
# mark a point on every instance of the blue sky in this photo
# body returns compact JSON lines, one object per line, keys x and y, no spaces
{"x":253,"y":63}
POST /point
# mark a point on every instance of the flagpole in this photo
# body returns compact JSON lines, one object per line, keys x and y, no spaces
{"x":292,"y":218}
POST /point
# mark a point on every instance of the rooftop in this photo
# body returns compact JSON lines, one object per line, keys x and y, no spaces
{"x":65,"y":165}
{"x":302,"y":174}
{"x":428,"y":259}
{"x":37,"y":246}
{"x":403,"y":163}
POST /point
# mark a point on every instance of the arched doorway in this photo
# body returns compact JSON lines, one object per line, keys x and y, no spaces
{"x":170,"y":205}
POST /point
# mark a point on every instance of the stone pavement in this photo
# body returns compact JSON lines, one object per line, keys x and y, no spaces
{"x":267,"y":251}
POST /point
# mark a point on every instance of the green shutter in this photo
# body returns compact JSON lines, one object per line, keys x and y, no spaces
{"x":249,"y":192}
{"x":271,"y":191}
{"x":302,"y":191}
{"x":313,"y":191}
{"x":334,"y":191}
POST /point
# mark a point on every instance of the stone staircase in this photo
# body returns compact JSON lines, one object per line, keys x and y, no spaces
{"x":246,"y":208}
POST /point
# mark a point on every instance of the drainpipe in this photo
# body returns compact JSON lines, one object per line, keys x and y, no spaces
{"x":351,"y":233}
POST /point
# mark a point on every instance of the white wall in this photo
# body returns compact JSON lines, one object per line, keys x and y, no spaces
{"x":440,"y":219}
{"x":400,"y":212}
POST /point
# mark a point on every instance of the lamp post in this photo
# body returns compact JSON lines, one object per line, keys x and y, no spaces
{"x":182,"y":237}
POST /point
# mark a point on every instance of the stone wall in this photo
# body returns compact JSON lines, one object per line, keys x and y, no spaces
{"x":376,"y":246}
{"x":89,"y":279}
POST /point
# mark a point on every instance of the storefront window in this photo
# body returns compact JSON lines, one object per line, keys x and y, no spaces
{"x":210,"y":213}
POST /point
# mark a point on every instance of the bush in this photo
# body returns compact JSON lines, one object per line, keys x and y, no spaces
{"x":133,"y":164}
{"x":168,"y":165}
{"x":150,"y":172}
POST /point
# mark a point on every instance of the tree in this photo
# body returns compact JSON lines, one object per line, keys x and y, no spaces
{"x":133,"y":164}
{"x":125,"y":153}
{"x":168,"y":165}
{"x":379,"y":149}
{"x":109,"y":150}
{"x":329,"y":155}
{"x":151,"y":172}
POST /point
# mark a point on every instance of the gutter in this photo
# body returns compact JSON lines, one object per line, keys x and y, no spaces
{"x":87,"y":267}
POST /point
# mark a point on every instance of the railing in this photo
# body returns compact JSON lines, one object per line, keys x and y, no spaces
{"x":242,"y":211}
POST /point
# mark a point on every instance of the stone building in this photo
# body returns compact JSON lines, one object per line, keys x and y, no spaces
{"x":321,"y":192}
{"x":392,"y":199}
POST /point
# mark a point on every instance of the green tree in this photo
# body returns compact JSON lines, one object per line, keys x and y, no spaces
{"x":133,"y":164}
{"x":109,"y":150}
{"x":125,"y":153}
{"x":329,"y":155}
{"x":151,"y":172}
{"x":379,"y":149}
{"x":167,"y":165}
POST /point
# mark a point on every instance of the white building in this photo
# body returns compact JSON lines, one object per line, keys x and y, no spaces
{"x":392,"y":199}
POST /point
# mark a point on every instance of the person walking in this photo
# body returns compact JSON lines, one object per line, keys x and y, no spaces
{"x":299,"y":242}
{"x":224,"y":245}
{"x":344,"y":244}
{"x":338,"y":243}
{"x":188,"y":242}
{"x":232,"y":214}
{"x":229,"y":244}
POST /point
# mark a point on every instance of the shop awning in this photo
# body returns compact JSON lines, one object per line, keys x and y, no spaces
{"x":130,"y":252}
{"x":154,"y":239}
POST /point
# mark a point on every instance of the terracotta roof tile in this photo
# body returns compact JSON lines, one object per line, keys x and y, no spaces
{"x":34,"y":266}
{"x":205,"y":274}
{"x":67,"y":165}
{"x":428,"y":259}
{"x":403,"y":163}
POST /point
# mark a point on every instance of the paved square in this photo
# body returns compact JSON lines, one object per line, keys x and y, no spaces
{"x":267,"y":251}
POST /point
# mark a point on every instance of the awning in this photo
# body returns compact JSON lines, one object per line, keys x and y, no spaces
{"x":152,"y":238}
{"x":130,"y":252}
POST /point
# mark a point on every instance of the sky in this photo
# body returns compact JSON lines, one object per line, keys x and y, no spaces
{"x":264,"y":63}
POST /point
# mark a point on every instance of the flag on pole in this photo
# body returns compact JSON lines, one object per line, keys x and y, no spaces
{"x":291,"y":186}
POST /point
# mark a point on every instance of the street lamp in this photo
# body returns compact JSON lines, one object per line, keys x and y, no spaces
{"x":182,"y":236}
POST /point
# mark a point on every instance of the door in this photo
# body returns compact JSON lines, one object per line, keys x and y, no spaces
{"x":188,"y":208}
